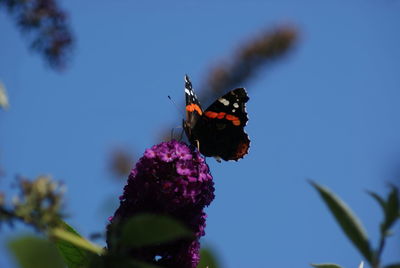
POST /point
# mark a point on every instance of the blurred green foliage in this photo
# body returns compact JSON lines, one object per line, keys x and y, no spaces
{"x":353,"y":229}
{"x":38,"y":203}
{"x":148,"y":229}
{"x":35,"y":252}
{"x":208,"y":259}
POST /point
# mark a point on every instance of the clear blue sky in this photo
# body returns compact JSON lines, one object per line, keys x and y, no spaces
{"x":329,"y":111}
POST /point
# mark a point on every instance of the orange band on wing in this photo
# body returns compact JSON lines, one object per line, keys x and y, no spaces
{"x":235,"y":120}
{"x":194,"y":107}
{"x":213,"y":115}
{"x":231,"y":117}
{"x":210,"y":114}
{"x":221,"y":115}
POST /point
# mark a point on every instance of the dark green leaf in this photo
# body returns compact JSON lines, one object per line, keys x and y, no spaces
{"x":347,"y":220}
{"x":34,"y":252}
{"x":392,"y":209}
{"x":382,"y":203}
{"x":393,"y":265}
{"x":147,"y":229}
{"x":76,"y":240}
{"x":207,"y":259}
{"x":326,"y":265}
{"x":379,"y":199}
{"x":73,"y":255}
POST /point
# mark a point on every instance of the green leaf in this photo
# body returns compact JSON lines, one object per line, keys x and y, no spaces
{"x":383,"y":205}
{"x":148,"y":229}
{"x":379,"y":199}
{"x":347,"y":220}
{"x":207,"y":259}
{"x":326,"y":265}
{"x":74,"y":256}
{"x":394,"y":265}
{"x":3,"y":97}
{"x":34,"y":252}
{"x":392,"y":209}
{"x":76,"y":240}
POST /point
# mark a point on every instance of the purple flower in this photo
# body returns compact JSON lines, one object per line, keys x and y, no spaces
{"x":170,"y":179}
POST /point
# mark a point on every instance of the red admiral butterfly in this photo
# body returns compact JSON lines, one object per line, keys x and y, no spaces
{"x":219,"y":130}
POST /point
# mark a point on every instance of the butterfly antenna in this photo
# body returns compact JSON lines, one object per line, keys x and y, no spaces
{"x":172,"y":130}
{"x":176,"y":106}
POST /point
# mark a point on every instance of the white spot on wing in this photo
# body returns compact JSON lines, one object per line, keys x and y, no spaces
{"x":187,"y":91}
{"x":236,"y":105}
{"x":223,"y":101}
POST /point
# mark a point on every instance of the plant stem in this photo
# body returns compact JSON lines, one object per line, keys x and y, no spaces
{"x":377,"y":258}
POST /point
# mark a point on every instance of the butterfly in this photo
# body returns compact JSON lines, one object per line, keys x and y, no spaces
{"x":219,"y":130}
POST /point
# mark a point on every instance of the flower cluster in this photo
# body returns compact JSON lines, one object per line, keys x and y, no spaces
{"x":170,"y":179}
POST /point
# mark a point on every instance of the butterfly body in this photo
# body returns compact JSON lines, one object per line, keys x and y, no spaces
{"x":219,"y":130}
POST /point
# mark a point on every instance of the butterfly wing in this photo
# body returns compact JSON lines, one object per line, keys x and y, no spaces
{"x":193,"y":108}
{"x":220,"y":130}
